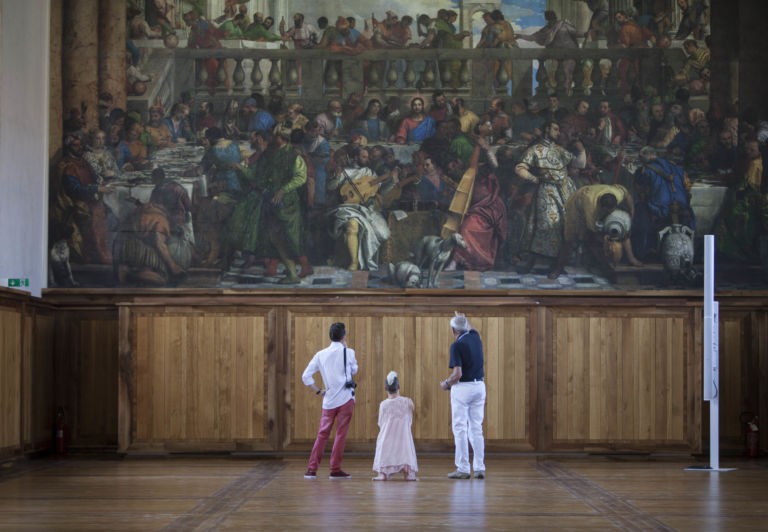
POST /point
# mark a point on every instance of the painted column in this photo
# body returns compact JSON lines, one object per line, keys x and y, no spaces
{"x":467,"y":8}
{"x":80,"y":61}
{"x":279,"y":9}
{"x":724,"y":88}
{"x":56,"y":117}
{"x":112,"y":64}
{"x":214,"y":9}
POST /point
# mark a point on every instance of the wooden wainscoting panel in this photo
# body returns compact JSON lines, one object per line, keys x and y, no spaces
{"x":85,"y":372}
{"x":10,"y":379}
{"x":39,"y":407}
{"x":200,"y":377}
{"x":365,"y":336}
{"x":417,"y":347}
{"x":310,"y":334}
{"x":510,"y":364}
{"x":735,"y":391}
{"x":621,"y":377}
{"x":97,"y":381}
{"x":760,"y":371}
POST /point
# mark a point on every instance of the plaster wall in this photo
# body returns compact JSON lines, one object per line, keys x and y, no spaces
{"x":24,"y":42}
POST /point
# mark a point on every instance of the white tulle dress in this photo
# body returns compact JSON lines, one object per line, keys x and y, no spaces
{"x":395,"y":452}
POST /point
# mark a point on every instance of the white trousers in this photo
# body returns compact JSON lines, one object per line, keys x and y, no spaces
{"x":467,"y":411}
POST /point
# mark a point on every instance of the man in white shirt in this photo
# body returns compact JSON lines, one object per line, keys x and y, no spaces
{"x":338,"y":399}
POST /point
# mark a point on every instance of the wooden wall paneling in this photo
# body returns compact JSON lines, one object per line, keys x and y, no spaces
{"x":753,"y":370}
{"x":39,"y":407}
{"x":510,"y":374}
{"x":644,"y":356}
{"x":760,"y":342}
{"x":85,"y":369}
{"x":563,"y":378}
{"x":693,"y":391}
{"x":495,"y":352}
{"x":621,"y":377}
{"x":144,"y":407}
{"x":310,"y":334}
{"x":743,"y":373}
{"x":664,"y":361}
{"x":97,"y":381}
{"x":126,"y":387}
{"x":278,"y":368}
{"x":430,"y":417}
{"x":735,"y":345}
{"x":627,"y":370}
{"x":364,"y":335}
{"x":429,"y":350}
{"x":416,"y":345}
{"x":669,"y":380}
{"x":11,"y":323}
{"x":611,"y":343}
{"x":201,"y":379}
{"x":636,"y":385}
{"x":254,"y":412}
{"x":542,"y":323}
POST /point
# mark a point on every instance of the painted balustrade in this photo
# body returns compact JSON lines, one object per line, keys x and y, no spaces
{"x":313,"y":76}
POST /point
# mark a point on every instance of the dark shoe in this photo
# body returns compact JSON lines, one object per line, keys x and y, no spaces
{"x":554,"y":274}
{"x":525,"y":266}
{"x":458,"y":474}
{"x":480,"y":474}
{"x":310,"y":475}
{"x":336,"y":475}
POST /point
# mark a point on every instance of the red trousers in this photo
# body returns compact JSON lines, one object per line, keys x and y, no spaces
{"x":344,"y":415}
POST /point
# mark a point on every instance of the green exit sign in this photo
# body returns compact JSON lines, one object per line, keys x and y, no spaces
{"x":17,"y":283}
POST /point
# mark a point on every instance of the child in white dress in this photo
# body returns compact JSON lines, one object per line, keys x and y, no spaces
{"x":395,"y":452}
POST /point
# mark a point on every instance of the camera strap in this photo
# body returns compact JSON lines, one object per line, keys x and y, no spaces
{"x":345,"y":363}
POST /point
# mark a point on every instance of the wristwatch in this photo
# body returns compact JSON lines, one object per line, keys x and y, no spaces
{"x":318,"y":392}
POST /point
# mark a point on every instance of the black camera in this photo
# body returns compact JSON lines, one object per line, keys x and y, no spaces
{"x":350,"y":384}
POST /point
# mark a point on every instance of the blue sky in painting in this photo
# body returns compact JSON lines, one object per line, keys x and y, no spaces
{"x":363,"y":8}
{"x":524,"y":13}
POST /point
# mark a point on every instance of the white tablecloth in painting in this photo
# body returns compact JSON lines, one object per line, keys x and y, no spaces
{"x":123,"y":193}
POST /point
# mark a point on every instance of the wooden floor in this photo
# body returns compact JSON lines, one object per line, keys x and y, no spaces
{"x":519,"y":493}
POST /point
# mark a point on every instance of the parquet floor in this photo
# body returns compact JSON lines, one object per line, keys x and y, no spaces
{"x":519,"y":493}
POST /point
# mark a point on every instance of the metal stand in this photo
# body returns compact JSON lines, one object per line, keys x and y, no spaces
{"x":711,"y":376}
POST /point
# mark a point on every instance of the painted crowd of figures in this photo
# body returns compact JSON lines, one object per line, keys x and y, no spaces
{"x":277,"y":185}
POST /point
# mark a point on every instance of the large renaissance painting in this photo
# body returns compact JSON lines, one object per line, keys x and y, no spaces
{"x":521,"y":144}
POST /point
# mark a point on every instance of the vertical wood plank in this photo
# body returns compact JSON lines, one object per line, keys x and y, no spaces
{"x":10,"y":378}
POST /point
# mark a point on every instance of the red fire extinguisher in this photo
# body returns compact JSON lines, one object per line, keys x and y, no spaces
{"x":751,"y":435}
{"x":62,"y":432}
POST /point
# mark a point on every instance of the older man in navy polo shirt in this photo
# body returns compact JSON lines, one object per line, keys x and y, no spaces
{"x":467,"y":397}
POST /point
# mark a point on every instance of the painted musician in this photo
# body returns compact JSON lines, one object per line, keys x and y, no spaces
{"x":356,"y":221}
